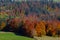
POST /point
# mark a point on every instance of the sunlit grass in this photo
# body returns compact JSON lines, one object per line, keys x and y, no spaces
{"x":12,"y":36}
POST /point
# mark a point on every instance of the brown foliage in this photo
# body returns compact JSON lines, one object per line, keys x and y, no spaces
{"x":3,"y":24}
{"x":40,"y":28}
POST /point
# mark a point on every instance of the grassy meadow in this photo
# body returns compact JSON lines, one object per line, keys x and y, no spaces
{"x":12,"y":36}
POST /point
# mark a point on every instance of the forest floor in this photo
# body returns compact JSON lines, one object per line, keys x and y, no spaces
{"x":46,"y":38}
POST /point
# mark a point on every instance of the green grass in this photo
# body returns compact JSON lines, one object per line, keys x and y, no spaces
{"x":12,"y":36}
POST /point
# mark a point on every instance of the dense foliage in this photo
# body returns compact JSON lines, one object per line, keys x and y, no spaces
{"x":30,"y":18}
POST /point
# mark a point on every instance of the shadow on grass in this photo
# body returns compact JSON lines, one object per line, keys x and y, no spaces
{"x":20,"y":31}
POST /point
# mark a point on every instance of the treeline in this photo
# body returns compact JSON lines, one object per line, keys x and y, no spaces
{"x":30,"y":18}
{"x":30,"y":27}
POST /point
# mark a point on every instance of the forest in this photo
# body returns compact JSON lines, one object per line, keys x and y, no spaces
{"x":30,"y":18}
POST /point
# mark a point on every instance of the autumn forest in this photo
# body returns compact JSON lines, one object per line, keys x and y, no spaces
{"x":30,"y":18}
